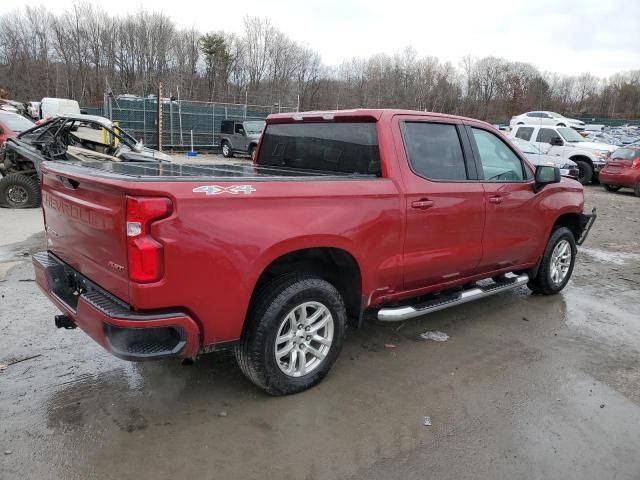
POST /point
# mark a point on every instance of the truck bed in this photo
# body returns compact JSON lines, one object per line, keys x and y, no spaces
{"x":157,"y":171}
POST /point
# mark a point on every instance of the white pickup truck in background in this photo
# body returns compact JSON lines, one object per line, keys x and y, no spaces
{"x":567,"y":143}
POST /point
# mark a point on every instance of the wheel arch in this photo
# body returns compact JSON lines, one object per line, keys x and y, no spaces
{"x":333,"y":264}
{"x":581,"y":157}
{"x":570,"y":220}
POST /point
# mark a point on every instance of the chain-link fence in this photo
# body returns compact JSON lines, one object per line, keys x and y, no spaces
{"x":610,"y":122}
{"x":138,"y":116}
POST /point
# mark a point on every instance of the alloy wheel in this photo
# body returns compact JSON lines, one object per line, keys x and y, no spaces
{"x":304,"y":339}
{"x":560,"y":261}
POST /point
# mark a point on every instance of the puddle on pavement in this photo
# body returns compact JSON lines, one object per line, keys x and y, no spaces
{"x":600,"y":320}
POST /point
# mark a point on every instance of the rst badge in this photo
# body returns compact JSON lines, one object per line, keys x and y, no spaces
{"x":217,"y":189}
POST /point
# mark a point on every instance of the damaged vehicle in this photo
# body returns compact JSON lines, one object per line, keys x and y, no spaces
{"x":77,"y":138}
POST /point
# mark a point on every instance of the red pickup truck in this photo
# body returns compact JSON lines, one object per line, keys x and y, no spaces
{"x":396,"y":212}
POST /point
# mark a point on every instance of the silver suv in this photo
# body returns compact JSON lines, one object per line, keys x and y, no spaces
{"x":240,"y":136}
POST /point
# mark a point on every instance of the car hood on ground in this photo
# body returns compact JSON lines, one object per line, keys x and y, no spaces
{"x":145,"y":153}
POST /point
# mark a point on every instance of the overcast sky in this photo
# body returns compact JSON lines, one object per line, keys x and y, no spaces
{"x":597,"y":36}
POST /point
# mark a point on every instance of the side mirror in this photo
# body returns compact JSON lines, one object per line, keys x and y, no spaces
{"x":556,"y":142}
{"x":545,"y":175}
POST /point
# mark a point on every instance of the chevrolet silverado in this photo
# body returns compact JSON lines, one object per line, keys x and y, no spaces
{"x":393,"y":212}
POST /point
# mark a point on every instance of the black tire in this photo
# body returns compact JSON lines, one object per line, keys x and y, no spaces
{"x":256,"y":354}
{"x":226,"y":150}
{"x":612,"y":188}
{"x":19,"y":191}
{"x":585,"y":172}
{"x":252,"y":151}
{"x":637,"y":189}
{"x":543,"y":283}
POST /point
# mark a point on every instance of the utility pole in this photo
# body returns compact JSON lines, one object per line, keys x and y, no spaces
{"x":159,"y":117}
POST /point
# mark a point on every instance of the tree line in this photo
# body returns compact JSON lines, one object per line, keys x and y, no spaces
{"x":84,"y":52}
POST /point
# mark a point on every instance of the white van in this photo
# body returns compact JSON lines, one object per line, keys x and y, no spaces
{"x":53,"y":107}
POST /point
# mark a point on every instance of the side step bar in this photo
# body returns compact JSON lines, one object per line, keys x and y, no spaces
{"x":397,"y":314}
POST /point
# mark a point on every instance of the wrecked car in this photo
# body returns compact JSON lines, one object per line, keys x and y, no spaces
{"x":78,"y":138}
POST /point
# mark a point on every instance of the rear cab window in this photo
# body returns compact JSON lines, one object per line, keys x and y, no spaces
{"x":331,"y":147}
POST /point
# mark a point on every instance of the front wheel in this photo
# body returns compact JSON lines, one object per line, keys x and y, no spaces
{"x":557,"y":263}
{"x":294,"y":332}
{"x":252,"y":152}
{"x":612,"y":188}
{"x":19,"y":191}
{"x":585,"y":172}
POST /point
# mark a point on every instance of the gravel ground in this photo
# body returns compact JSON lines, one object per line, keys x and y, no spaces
{"x":526,"y":387}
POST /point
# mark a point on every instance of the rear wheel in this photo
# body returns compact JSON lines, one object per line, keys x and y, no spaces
{"x":557,"y":263}
{"x":294,"y":333}
{"x":585,"y":172}
{"x":226,"y":150}
{"x":612,"y":188}
{"x":19,"y":191}
{"x":637,"y":189}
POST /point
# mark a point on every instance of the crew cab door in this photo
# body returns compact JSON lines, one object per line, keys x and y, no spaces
{"x":445,"y":208}
{"x":513,"y":220}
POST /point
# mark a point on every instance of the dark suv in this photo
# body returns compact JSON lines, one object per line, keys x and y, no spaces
{"x":240,"y":136}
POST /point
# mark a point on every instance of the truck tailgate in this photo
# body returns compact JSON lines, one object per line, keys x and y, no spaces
{"x":85,"y":227}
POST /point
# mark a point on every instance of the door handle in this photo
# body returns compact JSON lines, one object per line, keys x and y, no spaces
{"x":495,"y":199}
{"x":422,"y":204}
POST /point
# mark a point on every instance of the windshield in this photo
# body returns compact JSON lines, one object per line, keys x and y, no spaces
{"x":570,"y":135}
{"x":254,"y":127}
{"x":16,"y":123}
{"x":525,"y":146}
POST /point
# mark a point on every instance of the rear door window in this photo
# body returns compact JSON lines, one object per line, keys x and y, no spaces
{"x":524,"y":133}
{"x":434,"y":150}
{"x":341,"y":147}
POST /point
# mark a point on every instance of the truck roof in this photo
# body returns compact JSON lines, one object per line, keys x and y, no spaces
{"x":370,"y":114}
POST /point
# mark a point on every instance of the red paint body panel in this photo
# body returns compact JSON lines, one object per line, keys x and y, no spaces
{"x":619,"y":172}
{"x":216,"y":247}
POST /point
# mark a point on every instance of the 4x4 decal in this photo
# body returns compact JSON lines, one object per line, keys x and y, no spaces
{"x":217,"y":189}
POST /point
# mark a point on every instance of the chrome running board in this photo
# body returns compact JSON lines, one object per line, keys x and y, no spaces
{"x":405,"y":312}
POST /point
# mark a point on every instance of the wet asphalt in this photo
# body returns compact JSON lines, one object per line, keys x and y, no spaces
{"x":526,"y":387}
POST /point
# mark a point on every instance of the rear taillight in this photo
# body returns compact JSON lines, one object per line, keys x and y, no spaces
{"x":145,"y":254}
{"x":636,"y":163}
